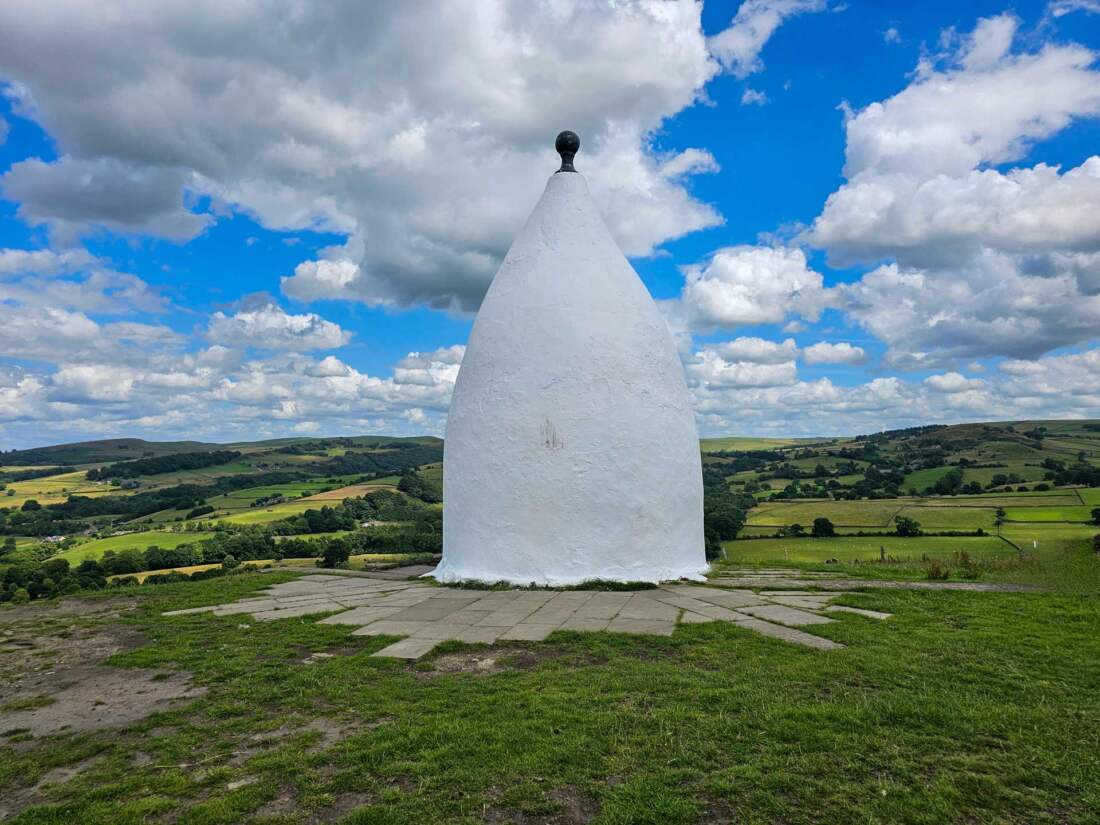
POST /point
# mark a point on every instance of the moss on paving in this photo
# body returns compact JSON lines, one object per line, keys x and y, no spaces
{"x":963,"y":707}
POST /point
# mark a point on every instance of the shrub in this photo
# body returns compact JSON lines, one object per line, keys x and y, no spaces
{"x":907,"y":527}
{"x":335,"y":554}
{"x":968,"y":568}
{"x":713,"y":546}
{"x":936,"y":570}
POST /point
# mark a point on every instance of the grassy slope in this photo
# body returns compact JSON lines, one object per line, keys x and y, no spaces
{"x":742,"y":443}
{"x":54,"y":489}
{"x":962,"y":707}
{"x":131,"y":541}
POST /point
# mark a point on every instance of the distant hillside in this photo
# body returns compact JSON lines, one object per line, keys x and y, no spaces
{"x":113,"y":450}
{"x":107,"y":450}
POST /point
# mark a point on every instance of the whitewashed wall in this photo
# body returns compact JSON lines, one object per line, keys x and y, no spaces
{"x":571,"y":451}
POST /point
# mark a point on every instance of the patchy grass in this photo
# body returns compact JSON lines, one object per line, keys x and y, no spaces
{"x":26,"y":703}
{"x":962,"y":707}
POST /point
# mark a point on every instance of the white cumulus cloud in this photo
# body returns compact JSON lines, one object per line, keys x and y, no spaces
{"x":270,"y":327}
{"x":825,"y":352}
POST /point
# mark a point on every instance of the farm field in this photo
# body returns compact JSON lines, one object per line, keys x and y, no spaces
{"x":264,"y":515}
{"x":54,"y":489}
{"x":934,"y":517}
{"x":739,"y":443}
{"x":869,"y":514}
{"x":130,"y":541}
{"x":1090,"y":496}
{"x":937,"y":513}
{"x":850,"y":549}
{"x":1072,"y":514}
{"x":355,"y":490}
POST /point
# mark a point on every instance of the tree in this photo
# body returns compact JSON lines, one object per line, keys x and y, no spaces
{"x":335,"y":554}
{"x":1095,"y":515}
{"x":822,"y":529}
{"x":8,"y":546}
{"x":907,"y":527}
{"x":31,"y":504}
{"x":713,"y":547}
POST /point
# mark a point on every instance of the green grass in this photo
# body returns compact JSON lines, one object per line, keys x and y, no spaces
{"x":1078,"y":514}
{"x":54,"y":489}
{"x":130,"y":541}
{"x":859,"y":548}
{"x":264,"y":515}
{"x":744,"y":443}
{"x":867,"y":514}
{"x":951,"y":518}
{"x":922,"y":479}
{"x":1090,"y":496}
{"x":963,"y":707}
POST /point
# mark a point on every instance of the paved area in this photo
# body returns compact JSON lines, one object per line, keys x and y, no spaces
{"x":425,"y":615}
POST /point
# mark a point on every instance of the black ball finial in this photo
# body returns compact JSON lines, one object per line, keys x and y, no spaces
{"x":567,"y":144}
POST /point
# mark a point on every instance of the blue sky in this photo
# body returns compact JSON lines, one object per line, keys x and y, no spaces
{"x":216,"y":226}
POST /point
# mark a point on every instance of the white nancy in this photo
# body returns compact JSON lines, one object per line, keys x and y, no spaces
{"x":571,"y":451}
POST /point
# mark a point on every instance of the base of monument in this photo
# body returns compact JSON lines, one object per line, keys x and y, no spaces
{"x":449,"y":574}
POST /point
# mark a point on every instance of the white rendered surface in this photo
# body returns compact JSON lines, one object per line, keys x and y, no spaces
{"x":571,"y":451}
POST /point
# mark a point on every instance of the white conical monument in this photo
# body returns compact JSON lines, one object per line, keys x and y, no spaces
{"x":571,"y":451}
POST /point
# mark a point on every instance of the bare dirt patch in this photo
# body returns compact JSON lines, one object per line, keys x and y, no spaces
{"x":97,"y":696}
{"x":31,"y":651}
{"x":574,"y":808}
{"x":57,"y":683}
{"x":485,"y":662}
{"x":67,"y":608}
{"x":285,"y":805}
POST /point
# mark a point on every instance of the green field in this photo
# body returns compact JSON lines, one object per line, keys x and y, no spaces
{"x":951,"y":518}
{"x":54,"y":489}
{"x":130,"y":541}
{"x":922,"y":479}
{"x":265,"y":515}
{"x":869,"y":514}
{"x":849,"y":549}
{"x":1090,"y":496}
{"x":742,"y":444}
{"x":1073,"y":514}
{"x":936,"y":513}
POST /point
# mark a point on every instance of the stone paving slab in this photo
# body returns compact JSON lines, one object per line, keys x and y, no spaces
{"x":644,"y":627}
{"x":408,"y":648}
{"x":790,"y":634}
{"x":859,"y":611}
{"x":791,"y":616}
{"x":427,"y":615}
{"x":527,"y":632}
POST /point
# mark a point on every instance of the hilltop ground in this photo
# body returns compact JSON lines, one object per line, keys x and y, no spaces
{"x":962,"y":707}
